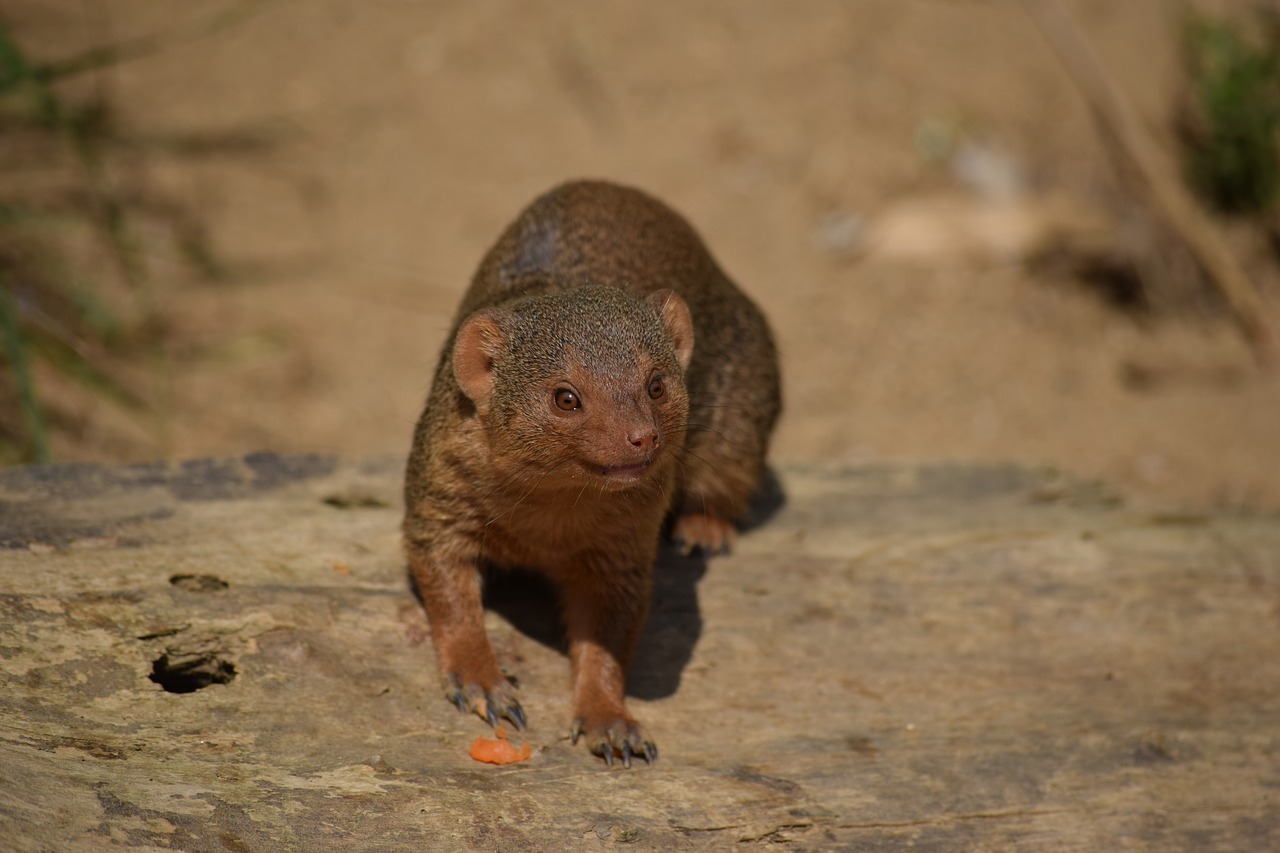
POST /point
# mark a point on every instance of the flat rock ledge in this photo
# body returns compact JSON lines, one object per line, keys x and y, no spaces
{"x":225,"y":655}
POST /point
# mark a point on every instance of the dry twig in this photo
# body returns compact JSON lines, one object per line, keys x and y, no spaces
{"x":1159,"y":183}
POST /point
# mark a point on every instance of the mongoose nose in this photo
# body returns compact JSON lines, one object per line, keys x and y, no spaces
{"x":645,"y":440}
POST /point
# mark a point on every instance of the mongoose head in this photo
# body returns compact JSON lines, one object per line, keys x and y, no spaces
{"x":581,"y":386}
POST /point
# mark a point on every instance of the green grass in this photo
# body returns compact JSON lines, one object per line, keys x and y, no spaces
{"x":15,"y":351}
{"x":41,"y":315}
{"x":78,"y":307}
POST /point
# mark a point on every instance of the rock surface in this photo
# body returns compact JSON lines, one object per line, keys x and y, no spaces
{"x":226,"y":655}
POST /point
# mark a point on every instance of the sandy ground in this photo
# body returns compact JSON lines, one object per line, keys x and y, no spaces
{"x":406,"y":135}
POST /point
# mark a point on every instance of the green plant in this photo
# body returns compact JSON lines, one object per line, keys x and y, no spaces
{"x":78,"y":312}
{"x":50,"y":323}
{"x":1233,"y":113}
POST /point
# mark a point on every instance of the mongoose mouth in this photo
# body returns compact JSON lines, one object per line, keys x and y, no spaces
{"x":624,"y":473}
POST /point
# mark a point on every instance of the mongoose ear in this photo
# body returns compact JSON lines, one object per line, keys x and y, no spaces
{"x":479,"y":341}
{"x":677,"y":322}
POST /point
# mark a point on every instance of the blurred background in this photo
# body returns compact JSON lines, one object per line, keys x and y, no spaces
{"x":238,"y":226}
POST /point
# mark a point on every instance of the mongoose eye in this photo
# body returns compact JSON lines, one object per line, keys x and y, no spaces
{"x":567,"y":400}
{"x":656,"y":388}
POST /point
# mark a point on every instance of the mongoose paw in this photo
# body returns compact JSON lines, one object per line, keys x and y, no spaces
{"x":697,"y":532}
{"x":490,"y":705}
{"x":616,"y":737}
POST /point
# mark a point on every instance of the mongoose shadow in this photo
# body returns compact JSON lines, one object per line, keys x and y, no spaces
{"x":530,"y":603}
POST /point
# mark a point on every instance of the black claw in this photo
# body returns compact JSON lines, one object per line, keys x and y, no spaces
{"x":607,"y":754}
{"x":650,"y":752}
{"x":626,"y":755}
{"x":459,"y":701}
{"x":575,"y":732}
{"x":489,"y":716}
{"x":516,"y":715}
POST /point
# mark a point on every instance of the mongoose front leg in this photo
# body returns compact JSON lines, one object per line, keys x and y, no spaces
{"x":703,"y":532}
{"x":603,"y":627}
{"x":721,"y":473}
{"x":450,"y":591}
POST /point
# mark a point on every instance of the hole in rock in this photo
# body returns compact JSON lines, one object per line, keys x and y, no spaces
{"x":198,"y":583}
{"x":189,"y":673}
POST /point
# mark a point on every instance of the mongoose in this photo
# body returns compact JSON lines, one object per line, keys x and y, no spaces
{"x":603,"y":375}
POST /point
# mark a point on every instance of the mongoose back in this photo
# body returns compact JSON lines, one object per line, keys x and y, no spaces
{"x":603,"y":375}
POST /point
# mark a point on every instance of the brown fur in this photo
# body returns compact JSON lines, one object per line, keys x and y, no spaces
{"x":597,"y":290}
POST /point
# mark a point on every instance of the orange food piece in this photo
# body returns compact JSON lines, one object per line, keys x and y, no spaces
{"x":499,"y":750}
